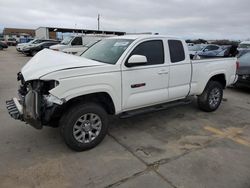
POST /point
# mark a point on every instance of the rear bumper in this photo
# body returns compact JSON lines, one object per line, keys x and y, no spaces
{"x":235,"y":79}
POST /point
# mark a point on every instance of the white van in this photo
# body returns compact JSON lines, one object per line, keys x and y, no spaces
{"x":76,"y":41}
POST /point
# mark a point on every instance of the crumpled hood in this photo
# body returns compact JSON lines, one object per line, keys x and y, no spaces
{"x":47,"y":61}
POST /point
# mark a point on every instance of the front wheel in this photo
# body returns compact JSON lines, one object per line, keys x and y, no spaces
{"x":84,"y":126}
{"x":211,"y":97}
{"x":33,"y":53}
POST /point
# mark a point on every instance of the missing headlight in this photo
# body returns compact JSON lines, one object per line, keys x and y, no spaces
{"x":48,"y":85}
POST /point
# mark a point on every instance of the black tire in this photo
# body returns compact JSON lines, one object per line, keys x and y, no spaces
{"x":72,"y":117}
{"x":33,"y":53}
{"x":207,"y":100}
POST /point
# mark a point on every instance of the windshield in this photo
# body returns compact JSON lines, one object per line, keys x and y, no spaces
{"x":67,"y":40}
{"x":37,"y":41}
{"x":107,"y":50}
{"x":32,"y":41}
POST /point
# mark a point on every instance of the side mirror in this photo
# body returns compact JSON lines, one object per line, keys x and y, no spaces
{"x":136,"y":60}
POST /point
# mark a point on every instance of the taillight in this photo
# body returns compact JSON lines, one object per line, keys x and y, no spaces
{"x":237,"y":65}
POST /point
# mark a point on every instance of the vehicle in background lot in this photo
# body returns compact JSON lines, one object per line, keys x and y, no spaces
{"x":76,"y":41}
{"x":243,"y":71}
{"x":210,"y":50}
{"x":195,"y":49}
{"x":11,"y":42}
{"x":32,"y":50}
{"x":34,"y":42}
{"x":215,"y":51}
{"x":79,"y":50}
{"x":3,"y":45}
{"x":25,"y":40}
{"x":245,"y":45}
{"x":124,"y":76}
{"x":190,"y":44}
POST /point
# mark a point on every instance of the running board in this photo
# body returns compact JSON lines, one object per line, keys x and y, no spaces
{"x":155,"y":108}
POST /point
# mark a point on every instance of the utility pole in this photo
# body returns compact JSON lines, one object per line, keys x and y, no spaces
{"x":98,"y":22}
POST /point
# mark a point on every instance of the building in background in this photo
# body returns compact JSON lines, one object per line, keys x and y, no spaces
{"x":60,"y":33}
{"x":18,"y":35}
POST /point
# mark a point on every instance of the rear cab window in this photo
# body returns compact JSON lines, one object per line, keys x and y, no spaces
{"x":176,"y":51}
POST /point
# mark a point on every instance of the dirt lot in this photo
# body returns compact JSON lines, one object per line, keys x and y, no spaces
{"x":179,"y":147}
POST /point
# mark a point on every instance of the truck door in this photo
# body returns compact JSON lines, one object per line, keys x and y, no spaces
{"x":147,"y":84}
{"x":179,"y":70}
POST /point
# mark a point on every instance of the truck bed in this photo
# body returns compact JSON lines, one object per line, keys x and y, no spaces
{"x":204,"y":69}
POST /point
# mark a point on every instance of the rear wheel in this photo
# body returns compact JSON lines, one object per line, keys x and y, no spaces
{"x":211,"y":97}
{"x":84,"y":126}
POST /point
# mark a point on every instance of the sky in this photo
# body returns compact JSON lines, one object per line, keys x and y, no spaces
{"x":208,"y":19}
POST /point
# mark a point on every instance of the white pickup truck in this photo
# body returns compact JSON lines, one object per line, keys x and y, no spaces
{"x":117,"y":76}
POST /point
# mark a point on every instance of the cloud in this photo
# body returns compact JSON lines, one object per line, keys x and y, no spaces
{"x":210,"y":19}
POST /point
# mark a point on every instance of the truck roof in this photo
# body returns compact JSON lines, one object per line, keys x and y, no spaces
{"x":134,"y":37}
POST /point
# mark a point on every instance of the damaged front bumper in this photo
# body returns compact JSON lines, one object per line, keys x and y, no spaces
{"x":27,"y":110}
{"x":15,"y":109}
{"x":36,"y":105}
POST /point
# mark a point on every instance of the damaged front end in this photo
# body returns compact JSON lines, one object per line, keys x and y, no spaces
{"x":36,"y":106}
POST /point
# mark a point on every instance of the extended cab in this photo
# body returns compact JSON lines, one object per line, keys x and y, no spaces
{"x":116,"y":76}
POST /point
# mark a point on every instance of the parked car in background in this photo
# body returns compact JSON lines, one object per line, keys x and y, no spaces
{"x":25,"y":40}
{"x":76,"y":41}
{"x":33,"y":42}
{"x":244,"y":68}
{"x":79,"y":50}
{"x":245,"y":45}
{"x":194,"y":49}
{"x":210,"y":50}
{"x":190,"y":44}
{"x":32,"y":50}
{"x":11,"y":42}
{"x":3,"y":45}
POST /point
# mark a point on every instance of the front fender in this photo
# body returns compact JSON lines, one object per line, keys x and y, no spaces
{"x":89,"y":89}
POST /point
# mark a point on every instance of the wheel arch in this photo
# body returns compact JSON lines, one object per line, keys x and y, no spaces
{"x":102,"y":98}
{"x":221,"y":78}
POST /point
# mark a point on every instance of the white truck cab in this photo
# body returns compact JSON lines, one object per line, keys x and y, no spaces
{"x":116,"y":76}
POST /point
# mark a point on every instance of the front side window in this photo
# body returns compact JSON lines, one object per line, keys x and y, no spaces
{"x":107,"y":50}
{"x":153,"y":50}
{"x":176,"y":50}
